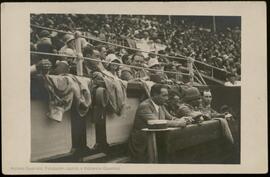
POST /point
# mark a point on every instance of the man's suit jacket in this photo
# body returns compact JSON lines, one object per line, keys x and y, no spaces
{"x":138,"y":139}
{"x":147,"y":111}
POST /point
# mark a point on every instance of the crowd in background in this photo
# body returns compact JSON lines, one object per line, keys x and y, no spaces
{"x":171,"y":93}
{"x":221,"y":49}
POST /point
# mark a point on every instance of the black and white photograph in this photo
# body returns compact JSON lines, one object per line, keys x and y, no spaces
{"x":128,"y":88}
{"x":135,"y":88}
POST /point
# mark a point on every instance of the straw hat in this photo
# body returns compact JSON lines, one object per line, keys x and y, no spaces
{"x":110,"y":58}
{"x":68,"y":38}
{"x":152,"y":62}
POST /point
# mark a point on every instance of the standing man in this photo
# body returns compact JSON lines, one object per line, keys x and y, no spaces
{"x":150,"y":109}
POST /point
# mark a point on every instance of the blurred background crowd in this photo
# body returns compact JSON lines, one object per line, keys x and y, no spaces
{"x":208,"y":40}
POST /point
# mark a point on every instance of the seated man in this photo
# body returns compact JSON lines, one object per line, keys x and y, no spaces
{"x":156,"y":74}
{"x":43,"y":66}
{"x":174,"y":101}
{"x":104,"y":80}
{"x":206,"y":108}
{"x":150,"y":109}
{"x":135,"y":73}
{"x":191,"y":105}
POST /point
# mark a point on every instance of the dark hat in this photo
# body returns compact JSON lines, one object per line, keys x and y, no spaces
{"x":44,"y":33}
{"x":45,"y":46}
{"x":191,"y":93}
{"x":228,"y":75}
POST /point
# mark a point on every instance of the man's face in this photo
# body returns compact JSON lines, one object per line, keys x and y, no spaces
{"x":175,"y":100}
{"x":162,"y":97}
{"x":93,"y":64}
{"x":207,"y":98}
{"x":138,"y":61}
{"x":103,"y":52}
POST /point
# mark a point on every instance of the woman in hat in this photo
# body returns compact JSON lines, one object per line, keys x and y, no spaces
{"x":110,"y":66}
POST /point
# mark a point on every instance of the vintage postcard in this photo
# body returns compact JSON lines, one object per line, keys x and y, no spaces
{"x":134,"y":88}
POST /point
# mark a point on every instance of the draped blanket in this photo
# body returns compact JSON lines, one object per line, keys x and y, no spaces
{"x":63,"y":90}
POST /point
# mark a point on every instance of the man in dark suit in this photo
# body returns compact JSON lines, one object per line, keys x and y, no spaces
{"x":150,"y":109}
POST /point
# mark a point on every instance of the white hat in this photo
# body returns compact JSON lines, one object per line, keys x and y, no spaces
{"x":68,"y":52}
{"x":110,"y":58}
{"x":225,"y":56}
{"x":152,"y":62}
{"x":68,"y":38}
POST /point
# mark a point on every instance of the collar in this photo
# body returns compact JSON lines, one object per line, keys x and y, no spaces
{"x":155,"y":105}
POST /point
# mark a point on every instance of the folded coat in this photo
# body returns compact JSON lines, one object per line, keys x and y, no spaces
{"x":63,"y":89}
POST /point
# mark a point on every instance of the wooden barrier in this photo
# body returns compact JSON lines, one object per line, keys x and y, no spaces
{"x":118,"y":128}
{"x":49,"y":138}
{"x":90,"y":133}
{"x":197,"y":144}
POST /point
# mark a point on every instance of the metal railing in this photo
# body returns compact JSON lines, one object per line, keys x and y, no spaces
{"x":214,"y":69}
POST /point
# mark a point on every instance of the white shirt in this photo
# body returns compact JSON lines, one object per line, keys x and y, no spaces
{"x":229,"y":84}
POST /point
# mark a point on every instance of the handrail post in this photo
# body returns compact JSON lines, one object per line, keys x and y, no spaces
{"x":79,"y":54}
{"x":212,"y":72}
{"x":190,"y":68}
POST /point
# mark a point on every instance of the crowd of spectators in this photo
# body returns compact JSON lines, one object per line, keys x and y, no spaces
{"x":173,"y":93}
{"x":221,"y":49}
{"x":172,"y":97}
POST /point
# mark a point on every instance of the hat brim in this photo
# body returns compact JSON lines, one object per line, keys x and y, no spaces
{"x":188,"y":99}
{"x":68,"y":41}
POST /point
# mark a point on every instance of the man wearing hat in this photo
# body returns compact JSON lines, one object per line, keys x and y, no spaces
{"x":191,"y":105}
{"x":69,"y":43}
{"x":44,"y":43}
{"x":67,"y":63}
{"x":135,"y":73}
{"x":156,"y":75}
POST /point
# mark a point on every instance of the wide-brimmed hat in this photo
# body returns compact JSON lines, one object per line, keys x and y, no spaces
{"x":191,"y":94}
{"x":68,"y":38}
{"x":111,"y":58}
{"x":153,"y":62}
{"x":68,"y":52}
{"x":44,"y":33}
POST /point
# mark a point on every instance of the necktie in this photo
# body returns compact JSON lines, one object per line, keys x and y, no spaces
{"x":159,"y":113}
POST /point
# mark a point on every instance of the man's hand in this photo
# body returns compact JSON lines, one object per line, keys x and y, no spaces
{"x":188,"y":119}
{"x":177,"y":123}
{"x":228,"y":117}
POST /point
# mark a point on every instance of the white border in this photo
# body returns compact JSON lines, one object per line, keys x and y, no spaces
{"x":15,"y":84}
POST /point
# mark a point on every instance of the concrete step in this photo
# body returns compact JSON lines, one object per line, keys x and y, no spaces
{"x":123,"y":159}
{"x":94,"y":157}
